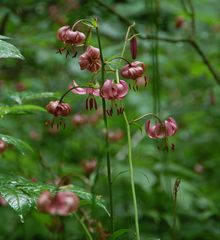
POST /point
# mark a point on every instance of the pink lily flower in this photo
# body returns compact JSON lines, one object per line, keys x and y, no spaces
{"x":67,"y":35}
{"x":133,"y":70}
{"x":90,"y":101}
{"x":90,"y":60}
{"x":58,"y":108}
{"x":114,"y":91}
{"x":167,"y":129}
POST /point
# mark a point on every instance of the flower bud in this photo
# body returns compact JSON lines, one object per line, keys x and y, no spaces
{"x":133,"y":70}
{"x":133,"y":47}
{"x":58,"y":108}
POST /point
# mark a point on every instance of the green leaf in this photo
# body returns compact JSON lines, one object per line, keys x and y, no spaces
{"x":22,"y":194}
{"x":19,"y":193}
{"x":19,"y":109}
{"x":24,"y":96}
{"x":19,"y":144}
{"x":120,"y":233}
{"x":8,"y":50}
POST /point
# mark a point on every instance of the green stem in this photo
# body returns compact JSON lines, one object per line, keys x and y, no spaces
{"x":145,"y":115}
{"x":89,"y":237}
{"x":106,"y":136}
{"x":132,"y":176}
{"x":125,"y":43}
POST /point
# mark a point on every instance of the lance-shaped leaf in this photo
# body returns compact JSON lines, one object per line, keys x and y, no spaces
{"x":20,"y":97}
{"x":20,"y":109}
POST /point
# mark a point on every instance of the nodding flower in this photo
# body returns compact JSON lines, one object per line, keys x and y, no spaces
{"x":67,"y":35}
{"x":133,"y":70}
{"x":90,"y":101}
{"x":161,"y":130}
{"x":114,"y":91}
{"x":62,"y":203}
{"x":90,"y":60}
{"x":58,"y":108}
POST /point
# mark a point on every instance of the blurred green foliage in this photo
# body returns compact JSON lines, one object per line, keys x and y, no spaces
{"x":189,"y":93}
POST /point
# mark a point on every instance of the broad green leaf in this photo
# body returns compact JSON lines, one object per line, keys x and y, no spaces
{"x":24,"y":96}
{"x":19,"y":144}
{"x":20,"y":109}
{"x":120,"y":233}
{"x":22,"y":194}
{"x":8,"y":50}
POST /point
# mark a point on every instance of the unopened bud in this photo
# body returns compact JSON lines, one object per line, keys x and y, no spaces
{"x":133,"y":47}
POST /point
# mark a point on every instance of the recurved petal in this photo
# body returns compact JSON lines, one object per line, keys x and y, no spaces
{"x":122,"y":88}
{"x":78,"y":90}
{"x":170,"y":126}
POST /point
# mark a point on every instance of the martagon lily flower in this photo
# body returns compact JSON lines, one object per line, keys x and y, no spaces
{"x":167,"y":129}
{"x":90,"y":60}
{"x":90,"y":101}
{"x":58,"y":108}
{"x":67,"y":35}
{"x":133,"y":70}
{"x":114,"y":91}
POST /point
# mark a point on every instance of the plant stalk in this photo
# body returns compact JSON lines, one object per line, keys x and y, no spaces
{"x":132,"y":176}
{"x":106,"y":137}
{"x":89,"y":237}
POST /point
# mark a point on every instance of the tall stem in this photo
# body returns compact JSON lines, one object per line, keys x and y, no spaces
{"x":106,"y":136}
{"x":132,"y":176}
